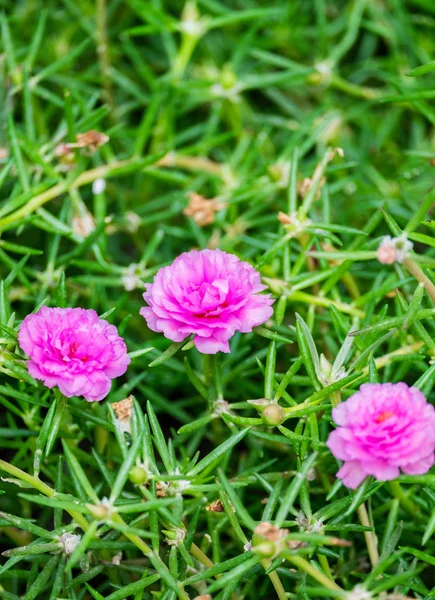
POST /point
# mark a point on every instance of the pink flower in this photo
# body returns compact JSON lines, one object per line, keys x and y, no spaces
{"x":73,"y":349}
{"x":384,"y":427}
{"x":209,"y":293}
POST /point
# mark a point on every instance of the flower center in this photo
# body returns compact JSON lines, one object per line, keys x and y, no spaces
{"x":73,"y":349}
{"x":207,"y":297}
{"x":383,"y":416}
{"x":72,"y":352}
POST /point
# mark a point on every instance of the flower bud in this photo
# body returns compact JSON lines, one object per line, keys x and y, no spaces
{"x":138,"y":475}
{"x":174,"y":537}
{"x":69,"y":542}
{"x":101,"y":511}
{"x":265,"y":549}
{"x":259,"y":404}
{"x":273,"y":415}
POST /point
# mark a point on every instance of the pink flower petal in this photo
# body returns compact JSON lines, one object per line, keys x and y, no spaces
{"x":208,"y":293}
{"x":384,"y":428}
{"x":352,"y":474}
{"x":73,"y":349}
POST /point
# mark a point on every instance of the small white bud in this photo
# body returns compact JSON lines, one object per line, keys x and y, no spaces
{"x":132,"y":277}
{"x":133,"y":221}
{"x":98,"y":186}
{"x":359,"y":593}
{"x":69,"y":542}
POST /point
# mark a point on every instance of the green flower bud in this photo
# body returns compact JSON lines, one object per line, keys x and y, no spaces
{"x":138,"y":475}
{"x":265,"y":549}
{"x":273,"y":415}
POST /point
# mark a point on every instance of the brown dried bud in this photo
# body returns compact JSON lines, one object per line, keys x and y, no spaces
{"x":202,"y":210}
{"x":270,"y":532}
{"x":91,"y":139}
{"x":160,"y":490}
{"x":124,"y":408}
{"x":123,"y":411}
{"x":284,"y":218}
{"x":62,"y":150}
{"x":304,"y":186}
{"x":340,"y":542}
{"x":83,"y":225}
{"x":215,"y":506}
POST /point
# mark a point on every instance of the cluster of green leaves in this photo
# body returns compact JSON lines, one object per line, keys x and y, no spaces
{"x":240,"y":101}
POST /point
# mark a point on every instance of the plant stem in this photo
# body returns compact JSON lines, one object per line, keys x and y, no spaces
{"x":45,"y":489}
{"x":370,"y":537}
{"x":42,"y":487}
{"x":170,"y":160}
{"x":383,"y":361}
{"x":103,"y":50}
{"x":336,"y":398}
{"x":417,"y":272}
{"x":276,"y":581}
{"x":200,"y":556}
{"x":196,"y":552}
{"x":325,"y":565}
{"x":312,"y":571}
{"x":209,"y":365}
{"x":155,"y":560}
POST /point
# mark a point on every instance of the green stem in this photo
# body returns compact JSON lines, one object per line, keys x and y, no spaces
{"x":200,"y":556}
{"x":197,"y":553}
{"x":42,"y":487}
{"x":352,"y":89}
{"x":103,"y":49}
{"x":325,"y":565}
{"x":310,"y":570}
{"x":185,"y":52}
{"x":155,"y":560}
{"x":45,"y":489}
{"x":276,"y":581}
{"x":336,"y":398}
{"x":417,"y":272}
{"x":370,"y":537}
{"x":194,"y":163}
{"x":210,"y":367}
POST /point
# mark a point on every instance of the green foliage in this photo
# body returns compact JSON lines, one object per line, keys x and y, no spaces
{"x":244,"y":102}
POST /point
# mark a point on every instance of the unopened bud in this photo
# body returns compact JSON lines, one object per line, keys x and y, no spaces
{"x":273,"y":415}
{"x":174,"y":537}
{"x":265,"y":549}
{"x":69,"y":542}
{"x":259,"y":404}
{"x":393,"y":250}
{"x":138,"y":475}
{"x":101,"y":511}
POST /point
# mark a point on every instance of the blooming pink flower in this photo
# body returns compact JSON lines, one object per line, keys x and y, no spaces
{"x":209,"y":293}
{"x":73,"y":349}
{"x":384,"y":427}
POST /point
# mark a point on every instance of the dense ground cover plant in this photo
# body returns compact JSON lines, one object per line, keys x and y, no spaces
{"x":296,"y":136}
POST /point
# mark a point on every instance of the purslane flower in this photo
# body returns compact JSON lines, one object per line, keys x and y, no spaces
{"x":208,"y":293}
{"x":384,"y":428}
{"x":393,"y":250}
{"x":73,"y":349}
